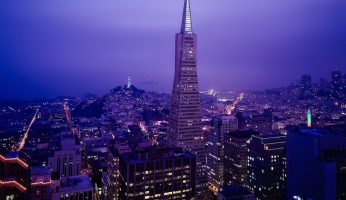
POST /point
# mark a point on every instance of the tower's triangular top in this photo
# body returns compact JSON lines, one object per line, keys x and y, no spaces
{"x":186,"y":25}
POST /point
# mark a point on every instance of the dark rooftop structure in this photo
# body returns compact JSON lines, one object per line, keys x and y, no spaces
{"x":155,"y":152}
{"x":234,"y":192}
{"x":242,"y":134}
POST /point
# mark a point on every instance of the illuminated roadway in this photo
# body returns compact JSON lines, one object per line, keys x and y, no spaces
{"x":22,"y":143}
{"x":69,"y":120}
{"x":231,"y":107}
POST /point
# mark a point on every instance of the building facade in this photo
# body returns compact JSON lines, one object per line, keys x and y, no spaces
{"x":185,"y":124}
{"x":266,"y":166}
{"x":316,"y":164}
{"x":235,"y":157}
{"x":66,"y":159}
{"x":14,"y":175}
{"x":167,"y":173}
{"x":113,"y":175}
{"x":221,"y":125}
{"x":41,"y":183}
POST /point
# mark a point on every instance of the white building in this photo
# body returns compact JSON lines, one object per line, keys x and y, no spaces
{"x":66,"y":160}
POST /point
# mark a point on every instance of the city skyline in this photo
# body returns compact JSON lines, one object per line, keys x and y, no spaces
{"x":200,"y":142}
{"x":90,"y":48}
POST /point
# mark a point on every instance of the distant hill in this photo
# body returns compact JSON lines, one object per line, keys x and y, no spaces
{"x":120,"y":100}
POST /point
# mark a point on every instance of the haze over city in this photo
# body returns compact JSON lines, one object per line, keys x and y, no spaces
{"x":188,"y":100}
{"x":71,"y":48}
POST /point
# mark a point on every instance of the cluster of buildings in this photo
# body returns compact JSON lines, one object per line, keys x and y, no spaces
{"x":283,"y":143}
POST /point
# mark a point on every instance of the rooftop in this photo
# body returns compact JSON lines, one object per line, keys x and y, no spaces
{"x":40,"y":175}
{"x":234,"y":190}
{"x":155,"y":153}
{"x":242,"y":134}
{"x":75,"y":183}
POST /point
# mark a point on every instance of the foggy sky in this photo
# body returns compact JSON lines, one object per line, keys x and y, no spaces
{"x":51,"y":48}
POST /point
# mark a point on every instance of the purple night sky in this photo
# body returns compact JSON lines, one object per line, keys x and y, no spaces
{"x":51,"y":48}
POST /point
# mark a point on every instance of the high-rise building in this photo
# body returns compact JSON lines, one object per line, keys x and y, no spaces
{"x":316,"y":163}
{"x":14,"y":175}
{"x":235,"y":157}
{"x":266,"y":166}
{"x":113,"y":174}
{"x":221,"y":125}
{"x":157,"y":173}
{"x":66,"y":159}
{"x":336,"y":84}
{"x":185,"y":124}
{"x":306,"y":87}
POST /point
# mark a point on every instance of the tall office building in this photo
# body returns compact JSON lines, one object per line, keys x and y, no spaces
{"x":113,"y":174}
{"x":14,"y":175}
{"x":185,"y":124}
{"x":266,"y":166}
{"x":157,"y":173}
{"x":235,"y":157}
{"x":66,"y":159}
{"x":316,"y":164}
{"x":221,"y":125}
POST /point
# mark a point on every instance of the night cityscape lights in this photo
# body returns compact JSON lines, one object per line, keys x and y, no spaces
{"x":130,"y":142}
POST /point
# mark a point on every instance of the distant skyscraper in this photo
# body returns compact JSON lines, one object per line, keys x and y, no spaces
{"x":221,"y":125}
{"x":185,"y":125}
{"x":336,"y":84}
{"x":316,"y":164}
{"x":306,"y":87}
{"x":66,"y":160}
{"x":266,"y":166}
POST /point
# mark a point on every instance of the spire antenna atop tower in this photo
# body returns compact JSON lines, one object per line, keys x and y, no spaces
{"x":186,"y":25}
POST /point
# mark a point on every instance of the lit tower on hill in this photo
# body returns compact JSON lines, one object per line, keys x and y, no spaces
{"x":128,"y":82}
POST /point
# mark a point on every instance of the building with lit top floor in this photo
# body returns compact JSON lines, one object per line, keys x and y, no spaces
{"x":266,"y":166}
{"x":157,"y":173}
